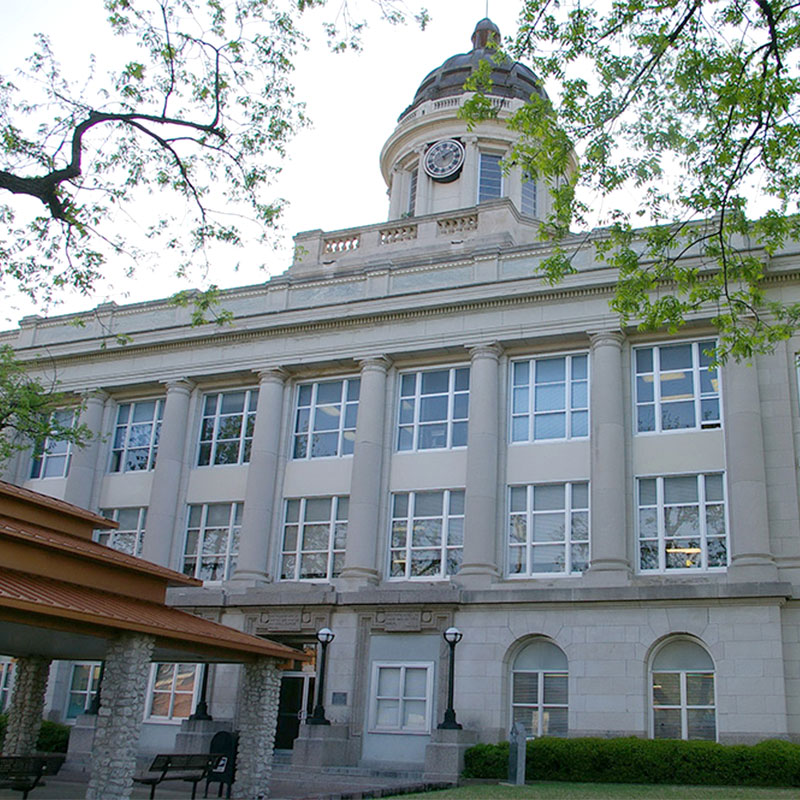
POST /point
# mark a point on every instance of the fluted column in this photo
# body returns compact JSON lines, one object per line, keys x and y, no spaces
{"x":751,"y":556}
{"x":479,"y":563}
{"x":469,"y":174}
{"x":609,"y":545}
{"x":259,"y":498}
{"x":163,"y":507}
{"x":365,"y":485}
{"x":83,"y":463}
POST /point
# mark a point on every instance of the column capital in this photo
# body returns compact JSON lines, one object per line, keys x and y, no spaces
{"x":379,"y":363}
{"x":606,"y":338}
{"x":491,"y":350}
{"x":271,"y":375}
{"x":94,"y":393}
{"x":184,"y":385}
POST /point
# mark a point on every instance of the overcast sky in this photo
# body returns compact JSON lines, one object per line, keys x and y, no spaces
{"x":331,"y":178}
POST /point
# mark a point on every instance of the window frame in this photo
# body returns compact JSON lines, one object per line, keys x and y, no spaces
{"x":89,"y":692}
{"x":684,"y":707}
{"x":377,"y":666}
{"x":568,"y":542}
{"x":155,"y":433}
{"x":342,"y":430}
{"x":540,"y":706}
{"x":334,"y":520}
{"x":170,"y":719}
{"x":7,"y":673}
{"x":417,"y":424}
{"x":247,"y":414}
{"x":481,"y":193}
{"x":530,"y":413}
{"x":108,"y":537}
{"x":443,"y":547}
{"x":661,"y":538}
{"x":697,"y":392}
{"x":532,"y":198}
{"x":411,"y":197}
{"x":230,"y":556}
{"x":42,"y":456}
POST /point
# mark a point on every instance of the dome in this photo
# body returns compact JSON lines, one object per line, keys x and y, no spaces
{"x":509,"y":78}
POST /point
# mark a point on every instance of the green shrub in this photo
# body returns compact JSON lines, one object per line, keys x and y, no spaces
{"x":653,"y":761}
{"x":53,"y":736}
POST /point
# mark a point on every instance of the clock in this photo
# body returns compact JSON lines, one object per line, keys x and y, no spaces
{"x":444,"y":159}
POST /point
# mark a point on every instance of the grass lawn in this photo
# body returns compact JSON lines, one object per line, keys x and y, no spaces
{"x":553,"y":790}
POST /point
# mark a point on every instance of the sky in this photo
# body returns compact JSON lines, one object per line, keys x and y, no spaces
{"x":331,"y":178}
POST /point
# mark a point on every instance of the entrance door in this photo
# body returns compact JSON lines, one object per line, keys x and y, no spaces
{"x":294,"y":705}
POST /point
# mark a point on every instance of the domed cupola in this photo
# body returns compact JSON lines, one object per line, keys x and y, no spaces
{"x":432,"y":163}
{"x":509,"y":78}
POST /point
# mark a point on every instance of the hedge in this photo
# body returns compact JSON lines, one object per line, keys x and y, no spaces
{"x":53,"y":736}
{"x":631,"y":760}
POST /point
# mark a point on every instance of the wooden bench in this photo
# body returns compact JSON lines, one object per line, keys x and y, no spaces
{"x":23,"y":773}
{"x":189,"y":767}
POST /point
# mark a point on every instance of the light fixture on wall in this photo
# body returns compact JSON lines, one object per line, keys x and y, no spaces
{"x":452,"y":636}
{"x":324,"y":636}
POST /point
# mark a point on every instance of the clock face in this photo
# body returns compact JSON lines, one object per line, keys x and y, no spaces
{"x":444,"y":159}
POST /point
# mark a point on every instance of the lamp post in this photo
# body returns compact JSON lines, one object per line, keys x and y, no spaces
{"x":452,"y":636}
{"x":324,"y":636}
{"x":201,"y":709}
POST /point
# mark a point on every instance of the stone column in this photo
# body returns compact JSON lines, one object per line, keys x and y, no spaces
{"x":163,"y":507}
{"x":396,"y":193}
{"x":119,"y":719}
{"x":365,"y":484}
{"x":479,"y":563}
{"x":27,"y":705}
{"x":751,"y":555}
{"x":83,"y":463}
{"x":469,"y":174}
{"x":424,"y":188}
{"x":258,"y":718}
{"x":259,"y":498}
{"x":608,"y":530}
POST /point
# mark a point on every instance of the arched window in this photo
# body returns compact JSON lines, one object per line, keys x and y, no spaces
{"x":683,"y":692}
{"x":539,"y":689}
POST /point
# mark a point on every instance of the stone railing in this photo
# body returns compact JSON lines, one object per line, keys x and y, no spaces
{"x":401,"y":233}
{"x":431,"y":106}
{"x":459,"y":224}
{"x":342,"y":244}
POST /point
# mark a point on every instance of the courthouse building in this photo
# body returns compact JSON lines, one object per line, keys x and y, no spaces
{"x":408,"y":430}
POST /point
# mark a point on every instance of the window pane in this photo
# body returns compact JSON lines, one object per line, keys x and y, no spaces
{"x":677,"y":415}
{"x":548,"y":497}
{"x":554,"y":722}
{"x":667,"y":723}
{"x":416,"y":682}
{"x":387,"y":713}
{"x":549,"y":426}
{"x":428,"y":504}
{"x":666,"y":688}
{"x":700,"y":688}
{"x":389,"y":682}
{"x":435,"y":382}
{"x":701,"y":723}
{"x":525,"y":688}
{"x":680,"y":490}
{"x":555,"y":689}
{"x":414,"y":715}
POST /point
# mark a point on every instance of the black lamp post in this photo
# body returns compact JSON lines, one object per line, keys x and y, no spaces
{"x":324,"y":636}
{"x":201,"y":709}
{"x":452,"y":636}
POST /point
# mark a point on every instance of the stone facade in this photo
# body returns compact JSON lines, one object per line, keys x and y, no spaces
{"x":27,"y":706}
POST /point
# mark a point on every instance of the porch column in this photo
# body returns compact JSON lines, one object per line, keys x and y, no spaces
{"x":27,"y":705}
{"x":163,"y":508}
{"x":607,"y":461}
{"x":365,"y":485}
{"x":258,"y":718}
{"x":751,"y":556}
{"x":83,"y":464}
{"x":259,"y":498}
{"x":483,"y":441}
{"x":119,"y":719}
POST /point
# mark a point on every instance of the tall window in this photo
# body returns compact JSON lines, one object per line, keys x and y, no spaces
{"x":82,"y":688}
{"x":227,"y":429}
{"x":172,"y":688}
{"x":548,"y":529}
{"x":682,"y":683}
{"x":51,"y":457}
{"x":401,"y":697}
{"x":550,"y":398}
{"x":434,"y":409}
{"x":412,"y":192}
{"x":325,"y":418}
{"x":676,"y":387}
{"x":314,"y":536}
{"x":682,"y":523}
{"x":539,"y":689}
{"x":136,"y":436}
{"x":6,"y":682}
{"x":427,"y":534}
{"x":529,"y":198}
{"x":212,"y":540}
{"x":129,"y":537}
{"x":490,"y":185}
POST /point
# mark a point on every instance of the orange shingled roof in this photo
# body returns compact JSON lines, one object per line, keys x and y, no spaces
{"x":54,"y":504}
{"x":94,"y":612}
